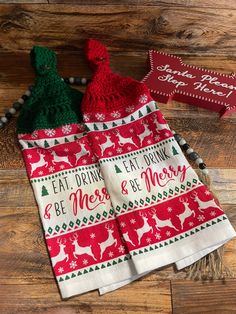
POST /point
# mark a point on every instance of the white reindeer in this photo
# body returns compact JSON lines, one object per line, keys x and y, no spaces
{"x":204,"y":204}
{"x":108,"y":242}
{"x":83,"y":152}
{"x":57,"y":158}
{"x":124,"y":140}
{"x":39,"y":163}
{"x":107,"y":144}
{"x":80,"y":250}
{"x":127,"y":238}
{"x":61,"y":255}
{"x":187,"y":211}
{"x":145,"y":133}
{"x":144,"y":229}
{"x":162,"y":223}
{"x":159,"y":126}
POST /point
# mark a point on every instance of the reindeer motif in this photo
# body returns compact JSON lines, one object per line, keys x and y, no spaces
{"x":61,"y":255}
{"x":159,"y":126}
{"x":187,"y":211}
{"x":109,"y":241}
{"x":144,"y":229}
{"x":80,"y":250}
{"x":162,"y":223}
{"x":145,"y":133}
{"x":39,"y":163}
{"x":123,"y":140}
{"x":83,"y":149}
{"x":57,"y":158}
{"x":202,"y":205}
{"x":107,"y":144}
{"x":127,"y":238}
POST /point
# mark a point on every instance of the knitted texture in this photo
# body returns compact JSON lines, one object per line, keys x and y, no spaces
{"x":164,"y":212}
{"x":81,"y":232}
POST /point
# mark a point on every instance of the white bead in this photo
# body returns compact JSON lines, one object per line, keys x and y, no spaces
{"x":173,"y":131}
{"x":182,"y":141}
{"x":198,"y":161}
{"x":83,"y":80}
{"x":62,"y":79}
{"x":71,"y":80}
{"x":205,"y":171}
{"x":21,"y":101}
{"x":28,"y":93}
{"x":12,"y":110}
{"x":4,"y":119}
{"x":189,"y":151}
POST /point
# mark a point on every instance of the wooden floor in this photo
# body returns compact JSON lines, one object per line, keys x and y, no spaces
{"x":203,"y":33}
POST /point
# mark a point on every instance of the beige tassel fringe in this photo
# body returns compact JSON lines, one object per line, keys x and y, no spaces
{"x":211,"y":266}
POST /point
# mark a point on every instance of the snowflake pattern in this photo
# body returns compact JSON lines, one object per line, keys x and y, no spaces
{"x":143,"y":99}
{"x":66,"y":150}
{"x":122,"y":224}
{"x":62,"y":166}
{"x":115,"y":114}
{"x":84,"y":161}
{"x":131,"y":130}
{"x":29,"y":156}
{"x":158,"y":236}
{"x":34,"y":135}
{"x":100,"y":116}
{"x":119,"y":150}
{"x":169,"y":209}
{"x":86,"y":117}
{"x":66,"y":129}
{"x":213,"y":213}
{"x":51,"y":169}
{"x":110,"y":254}
{"x":129,"y":109}
{"x":40,"y":172}
{"x":49,"y":248}
{"x":129,"y":148}
{"x":148,"y":240}
{"x":157,"y":138}
{"x":97,"y":137}
{"x":190,"y":224}
{"x":92,"y":235}
{"x":166,"y":133}
{"x":121,"y":249}
{"x":60,"y":270}
{"x":149,"y":141}
{"x":50,"y":132}
{"x":73,"y":264}
{"x":94,"y":158}
{"x":207,"y":192}
{"x":132,"y":221}
{"x":168,"y":233}
{"x":85,"y":262}
{"x":110,"y":153}
{"x":201,"y":218}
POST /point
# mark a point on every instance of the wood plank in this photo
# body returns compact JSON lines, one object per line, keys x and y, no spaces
{"x":216,"y":297}
{"x":150,"y":297}
{"x":169,"y":28}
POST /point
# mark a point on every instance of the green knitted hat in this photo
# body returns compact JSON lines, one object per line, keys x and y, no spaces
{"x":52,"y":102}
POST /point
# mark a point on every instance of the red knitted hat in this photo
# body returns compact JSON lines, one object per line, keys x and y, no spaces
{"x":108,"y":91}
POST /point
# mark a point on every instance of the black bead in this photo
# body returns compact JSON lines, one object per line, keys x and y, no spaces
{"x":8,"y":115}
{"x":1,"y":124}
{"x":31,"y":87}
{"x":193,"y":156}
{"x":185,"y":147}
{"x":202,"y":165}
{"x":77,"y":80}
{"x":177,"y":137}
{"x":25,"y":97}
{"x":17,"y":106}
{"x":66,"y":80}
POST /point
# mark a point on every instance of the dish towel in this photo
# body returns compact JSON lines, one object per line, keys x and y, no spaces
{"x":81,"y":233}
{"x":164,"y":212}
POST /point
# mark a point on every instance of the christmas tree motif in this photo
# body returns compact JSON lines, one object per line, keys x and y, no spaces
{"x":123,"y":122}
{"x":95,"y":127}
{"x":117,"y":169}
{"x":174,"y":151}
{"x":114,"y":124}
{"x":56,"y":142}
{"x":140,"y":115}
{"x":148,"y":109}
{"x":30,"y":145}
{"x":105,"y":126}
{"x":35,"y":144}
{"x":75,"y":138}
{"x":44,"y":191}
{"x":46,"y":145}
{"x":132,"y":118}
{"x":66,"y":140}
